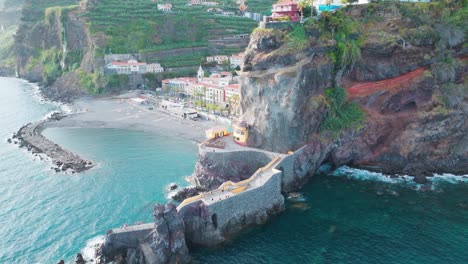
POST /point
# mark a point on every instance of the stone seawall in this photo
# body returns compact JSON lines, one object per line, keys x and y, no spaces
{"x":30,"y":137}
{"x":297,"y":167}
{"x":216,"y":166}
{"x":215,"y":218}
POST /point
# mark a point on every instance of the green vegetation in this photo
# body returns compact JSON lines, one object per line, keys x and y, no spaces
{"x":137,"y":26}
{"x":341,"y":114}
{"x":445,"y":69}
{"x":454,"y":94}
{"x":6,"y":47}
{"x":34,"y":11}
{"x":297,"y":39}
{"x":95,"y":83}
{"x":345,"y":32}
{"x":116,"y":81}
{"x":50,"y":60}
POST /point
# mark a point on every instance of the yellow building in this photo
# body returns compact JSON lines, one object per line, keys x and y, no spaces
{"x":240,"y":133}
{"x":216,"y":132}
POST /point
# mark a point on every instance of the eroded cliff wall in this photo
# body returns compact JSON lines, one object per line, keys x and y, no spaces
{"x":408,"y":78}
{"x":53,"y":47}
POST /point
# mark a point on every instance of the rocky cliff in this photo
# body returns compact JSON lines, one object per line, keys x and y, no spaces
{"x":54,"y":48}
{"x":403,"y":65}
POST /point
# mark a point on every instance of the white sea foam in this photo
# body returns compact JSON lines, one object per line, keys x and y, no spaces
{"x":37,"y":95}
{"x":360,"y":174}
{"x":90,"y":247}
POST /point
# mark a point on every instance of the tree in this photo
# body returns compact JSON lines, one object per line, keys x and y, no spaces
{"x":305,"y":4}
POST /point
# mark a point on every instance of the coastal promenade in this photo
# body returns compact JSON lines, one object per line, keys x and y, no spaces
{"x":230,"y":189}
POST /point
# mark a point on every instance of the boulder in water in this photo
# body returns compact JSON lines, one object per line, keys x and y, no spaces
{"x":79,"y":259}
{"x":172,"y":186}
{"x":420,"y":179}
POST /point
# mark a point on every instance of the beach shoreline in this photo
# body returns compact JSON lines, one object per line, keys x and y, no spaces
{"x":117,"y":112}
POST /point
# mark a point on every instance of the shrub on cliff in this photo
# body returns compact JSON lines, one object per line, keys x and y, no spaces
{"x":341,"y":114}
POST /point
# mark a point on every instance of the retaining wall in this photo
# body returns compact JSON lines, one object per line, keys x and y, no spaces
{"x":249,"y":203}
{"x":124,"y":238}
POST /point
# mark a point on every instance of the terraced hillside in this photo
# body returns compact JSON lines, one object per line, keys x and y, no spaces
{"x":137,"y":26}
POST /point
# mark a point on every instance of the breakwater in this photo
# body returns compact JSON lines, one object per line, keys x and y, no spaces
{"x":30,"y":137}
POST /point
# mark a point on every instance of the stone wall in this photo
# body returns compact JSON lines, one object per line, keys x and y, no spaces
{"x":216,"y":166}
{"x":121,"y":239}
{"x":211,"y":223}
{"x":252,"y":203}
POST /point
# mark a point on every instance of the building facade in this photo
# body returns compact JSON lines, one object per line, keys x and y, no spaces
{"x":132,"y":66}
{"x":219,"y":59}
{"x":284,"y":10}
{"x":216,"y":89}
{"x":237,"y":60}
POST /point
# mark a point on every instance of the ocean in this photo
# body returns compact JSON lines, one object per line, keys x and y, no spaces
{"x":349,"y":216}
{"x":47,"y":216}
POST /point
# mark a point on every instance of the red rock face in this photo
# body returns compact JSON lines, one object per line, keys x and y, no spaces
{"x":410,"y":126}
{"x":407,"y":132}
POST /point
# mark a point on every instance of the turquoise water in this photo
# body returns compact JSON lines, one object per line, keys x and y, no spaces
{"x":355,"y":217}
{"x":46,"y":216}
{"x":355,"y":221}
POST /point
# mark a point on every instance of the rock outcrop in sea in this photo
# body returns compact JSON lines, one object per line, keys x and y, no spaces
{"x":161,"y":242}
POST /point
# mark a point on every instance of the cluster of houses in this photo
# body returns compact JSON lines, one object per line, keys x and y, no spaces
{"x":235,"y":60}
{"x":131,"y":66}
{"x":217,"y":89}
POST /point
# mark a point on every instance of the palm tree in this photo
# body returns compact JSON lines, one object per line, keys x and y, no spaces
{"x":305,"y":3}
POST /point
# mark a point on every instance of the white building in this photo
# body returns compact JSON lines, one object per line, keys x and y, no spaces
{"x":219,"y":59}
{"x":165,"y":7}
{"x":127,"y":67}
{"x":132,"y":66}
{"x":228,"y":13}
{"x":154,"y":68}
{"x":237,"y":60}
{"x":209,"y":89}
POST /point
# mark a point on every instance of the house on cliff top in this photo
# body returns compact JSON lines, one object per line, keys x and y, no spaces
{"x":284,"y":10}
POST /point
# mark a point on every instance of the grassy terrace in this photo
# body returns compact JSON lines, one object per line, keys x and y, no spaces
{"x":33,"y":11}
{"x":137,"y":26}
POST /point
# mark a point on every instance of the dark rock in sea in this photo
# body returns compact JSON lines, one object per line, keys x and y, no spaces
{"x":9,"y":140}
{"x":186,"y":193}
{"x":79,"y":259}
{"x":172,"y":186}
{"x":169,"y":238}
{"x":61,"y":262}
{"x":420,"y":179}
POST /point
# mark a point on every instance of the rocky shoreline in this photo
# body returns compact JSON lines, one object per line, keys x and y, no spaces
{"x":30,"y":137}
